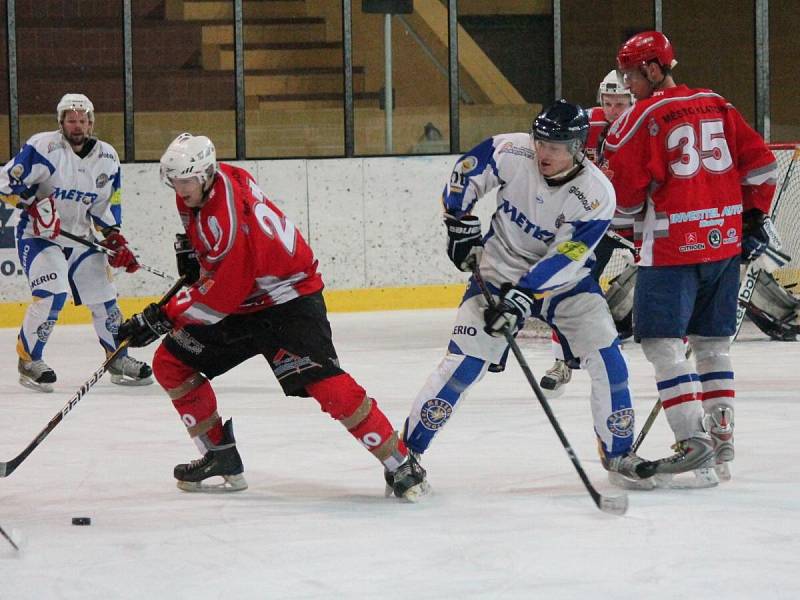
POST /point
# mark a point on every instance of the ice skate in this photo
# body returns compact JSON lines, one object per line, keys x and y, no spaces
{"x":408,"y":481}
{"x":622,"y":472}
{"x":36,"y":375}
{"x":719,"y":423}
{"x":693,"y":454}
{"x":126,"y":370}
{"x":555,"y":378}
{"x":221,"y":461}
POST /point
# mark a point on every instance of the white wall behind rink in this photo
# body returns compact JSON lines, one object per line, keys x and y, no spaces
{"x":372,"y":222}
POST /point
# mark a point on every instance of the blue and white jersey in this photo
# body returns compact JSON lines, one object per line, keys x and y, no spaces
{"x":541,"y":237}
{"x":86,"y":190}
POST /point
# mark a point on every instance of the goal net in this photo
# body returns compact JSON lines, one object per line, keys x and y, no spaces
{"x":785,"y":214}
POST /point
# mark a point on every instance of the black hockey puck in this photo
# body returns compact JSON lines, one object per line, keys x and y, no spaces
{"x":81,"y":521}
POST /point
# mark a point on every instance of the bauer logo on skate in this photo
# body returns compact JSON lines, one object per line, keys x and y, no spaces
{"x":434,"y":413}
{"x":620,"y":423}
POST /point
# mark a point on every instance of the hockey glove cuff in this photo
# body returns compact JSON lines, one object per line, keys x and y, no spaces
{"x":46,"y":222}
{"x":122,"y":257}
{"x":145,"y":327}
{"x":186,"y":257}
{"x":510,"y":312}
{"x":464,"y":243}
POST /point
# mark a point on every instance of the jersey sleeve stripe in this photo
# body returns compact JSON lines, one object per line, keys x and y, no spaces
{"x":233,"y":226}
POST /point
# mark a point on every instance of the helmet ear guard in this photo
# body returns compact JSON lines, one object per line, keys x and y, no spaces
{"x":189,"y":156}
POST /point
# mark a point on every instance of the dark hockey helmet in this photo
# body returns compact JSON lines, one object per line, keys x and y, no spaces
{"x":562,"y":122}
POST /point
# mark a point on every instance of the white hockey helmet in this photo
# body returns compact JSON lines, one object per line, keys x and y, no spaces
{"x":613,"y":84}
{"x":76,"y":102}
{"x":189,"y":156}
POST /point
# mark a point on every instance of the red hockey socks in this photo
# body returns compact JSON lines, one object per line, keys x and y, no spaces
{"x":346,"y":401}
{"x":192,"y":396}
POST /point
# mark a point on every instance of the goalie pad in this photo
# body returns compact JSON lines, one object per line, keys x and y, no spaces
{"x":620,"y":293}
{"x":773,"y":309}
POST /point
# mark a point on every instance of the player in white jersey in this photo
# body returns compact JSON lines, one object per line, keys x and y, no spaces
{"x":552,"y":209}
{"x":68,"y":179}
{"x":613,"y":99}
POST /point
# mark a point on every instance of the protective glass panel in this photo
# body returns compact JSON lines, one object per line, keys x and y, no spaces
{"x":416,"y":71}
{"x":182,"y":82}
{"x":714,"y":52}
{"x":69,"y":47}
{"x":505,"y":56}
{"x":784,"y":24}
{"x":294,"y":82}
{"x":592,"y":33}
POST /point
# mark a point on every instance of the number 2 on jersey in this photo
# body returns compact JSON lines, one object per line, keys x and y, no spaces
{"x":271,"y":223}
{"x":712,"y":155}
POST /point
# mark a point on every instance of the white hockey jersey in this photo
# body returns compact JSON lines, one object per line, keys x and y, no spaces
{"x":86,"y":190}
{"x":542,"y":237}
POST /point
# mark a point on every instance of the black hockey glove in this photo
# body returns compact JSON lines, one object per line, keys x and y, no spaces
{"x":145,"y":327}
{"x":510,"y":311}
{"x":186,"y":257}
{"x":464,"y":243}
{"x":758,"y":232}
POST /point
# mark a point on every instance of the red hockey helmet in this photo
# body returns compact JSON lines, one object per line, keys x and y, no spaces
{"x":645,"y":47}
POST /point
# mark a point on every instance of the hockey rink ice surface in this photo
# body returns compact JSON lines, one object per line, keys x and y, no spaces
{"x":508,"y":517}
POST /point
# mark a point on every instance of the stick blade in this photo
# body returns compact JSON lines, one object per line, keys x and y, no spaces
{"x":613,"y":505}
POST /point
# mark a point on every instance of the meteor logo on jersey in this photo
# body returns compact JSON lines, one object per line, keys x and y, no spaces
{"x":519,"y":219}
{"x":434,"y":413}
{"x":73,"y":194}
{"x":620,"y":423}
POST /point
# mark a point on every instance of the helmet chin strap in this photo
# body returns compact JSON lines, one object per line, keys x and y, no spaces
{"x":564,"y":175}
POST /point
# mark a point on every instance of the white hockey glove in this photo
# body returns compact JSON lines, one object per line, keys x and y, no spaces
{"x":464,"y":242}
{"x":44,"y":216}
{"x":510,"y":311}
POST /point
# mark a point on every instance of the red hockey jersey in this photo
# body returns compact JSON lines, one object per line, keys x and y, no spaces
{"x":597,"y":128}
{"x":251,"y":255}
{"x":687,"y":165}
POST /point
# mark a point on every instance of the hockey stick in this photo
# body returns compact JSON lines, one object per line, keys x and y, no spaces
{"x":104,"y":250}
{"x":748,"y":282}
{"x":615,"y":505}
{"x":651,"y":418}
{"x":8,"y":537}
{"x":6,"y":468}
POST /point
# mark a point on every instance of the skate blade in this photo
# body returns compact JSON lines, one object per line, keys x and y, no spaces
{"x":627,"y":483}
{"x":723,"y":471}
{"x":29,"y":383}
{"x":129,"y":381}
{"x":553,"y":393}
{"x":417,"y":492}
{"x":702,"y":478}
{"x":230,"y":483}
